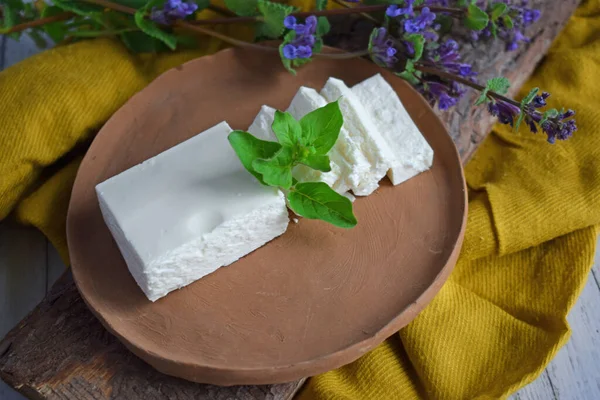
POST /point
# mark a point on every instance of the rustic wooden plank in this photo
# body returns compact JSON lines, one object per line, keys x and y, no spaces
{"x":54,"y":266}
{"x":85,"y":362}
{"x":70,"y":355}
{"x":22,"y":280}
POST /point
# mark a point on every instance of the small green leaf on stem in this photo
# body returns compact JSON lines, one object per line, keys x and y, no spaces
{"x":476,"y":19}
{"x":498,"y":85}
{"x":56,"y":30}
{"x":524,"y":103}
{"x":321,"y":127}
{"x":498,"y":10}
{"x":316,"y":200}
{"x":273,"y":15}
{"x":323,"y":26}
{"x":277,"y":170}
{"x":150,"y":28}
{"x":553,"y":113}
{"x":418,"y":42}
{"x":249,"y":148}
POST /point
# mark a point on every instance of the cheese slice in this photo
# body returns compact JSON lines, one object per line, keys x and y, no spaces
{"x":362,"y":131}
{"x":412,"y":154}
{"x":188,"y":211}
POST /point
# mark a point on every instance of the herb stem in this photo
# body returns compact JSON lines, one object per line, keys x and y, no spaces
{"x":39,"y":22}
{"x":218,"y":35}
{"x":363,"y":14}
{"x":460,"y":79}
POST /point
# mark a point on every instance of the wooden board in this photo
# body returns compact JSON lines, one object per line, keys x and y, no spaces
{"x":66,"y":375}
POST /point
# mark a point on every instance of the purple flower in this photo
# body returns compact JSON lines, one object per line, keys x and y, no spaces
{"x":302,"y":45}
{"x":290,"y":51}
{"x":505,"y":112}
{"x":419,"y":23}
{"x":560,"y":127}
{"x":394,"y":10}
{"x":173,"y":10}
{"x":540,"y":101}
{"x":445,"y":95}
{"x":382,"y":49}
{"x":289,"y":22}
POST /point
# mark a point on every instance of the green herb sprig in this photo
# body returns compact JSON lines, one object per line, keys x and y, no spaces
{"x":307,"y":142}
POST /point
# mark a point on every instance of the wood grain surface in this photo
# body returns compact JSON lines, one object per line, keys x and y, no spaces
{"x":61,"y":352}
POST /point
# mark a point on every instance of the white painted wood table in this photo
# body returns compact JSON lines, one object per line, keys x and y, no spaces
{"x":29,"y":266}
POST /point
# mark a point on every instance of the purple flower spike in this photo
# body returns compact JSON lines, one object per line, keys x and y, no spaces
{"x":173,"y":10}
{"x":290,"y":51}
{"x":302,"y":45}
{"x":382,"y":49}
{"x":289,"y":22}
{"x":505,"y":112}
{"x":394,"y":10}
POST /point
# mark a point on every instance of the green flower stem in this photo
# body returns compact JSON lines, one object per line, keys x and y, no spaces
{"x":459,"y":79}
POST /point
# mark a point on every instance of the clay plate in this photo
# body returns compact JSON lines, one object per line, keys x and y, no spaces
{"x":314,"y":299}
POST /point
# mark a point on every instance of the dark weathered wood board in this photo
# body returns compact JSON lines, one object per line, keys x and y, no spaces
{"x":60,"y":351}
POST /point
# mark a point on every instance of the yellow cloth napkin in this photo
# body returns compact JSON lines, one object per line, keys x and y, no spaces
{"x":528,"y":248}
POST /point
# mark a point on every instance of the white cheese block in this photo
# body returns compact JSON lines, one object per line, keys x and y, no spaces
{"x":412,"y":153}
{"x":363,"y":132}
{"x":188,"y":211}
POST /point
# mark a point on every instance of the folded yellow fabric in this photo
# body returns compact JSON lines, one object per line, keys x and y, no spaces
{"x":528,"y":248}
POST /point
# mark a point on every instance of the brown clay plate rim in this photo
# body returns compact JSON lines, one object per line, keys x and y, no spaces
{"x":205,"y":373}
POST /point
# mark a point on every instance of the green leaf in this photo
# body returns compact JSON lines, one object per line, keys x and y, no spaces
{"x":11,"y":16}
{"x":249,"y":148}
{"x":245,"y":8}
{"x":323,"y":26}
{"x":553,"y":113}
{"x":476,"y":19}
{"x":319,"y":162}
{"x":316,"y":200}
{"x":318,"y":46}
{"x":499,"y":85}
{"x":321,"y":5}
{"x":508,"y":22}
{"x":277,"y":170}
{"x":273,"y":15}
{"x":418,"y":42}
{"x":298,"y":62}
{"x":150,"y":28}
{"x":287,"y":129}
{"x":524,"y":103}
{"x":82,"y":9}
{"x":408,"y":76}
{"x":498,"y":10}
{"x":56,"y":30}
{"x":321,"y":127}
{"x":139,"y":42}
